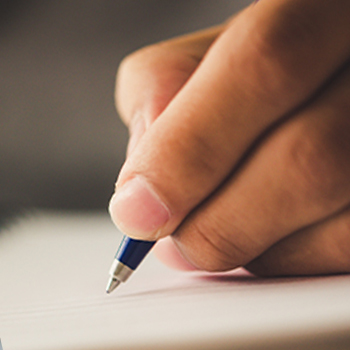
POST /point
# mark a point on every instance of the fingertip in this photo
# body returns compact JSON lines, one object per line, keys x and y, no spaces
{"x":137,"y":210}
{"x":167,"y":252}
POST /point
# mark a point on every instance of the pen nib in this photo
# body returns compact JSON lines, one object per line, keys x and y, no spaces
{"x":112,"y":284}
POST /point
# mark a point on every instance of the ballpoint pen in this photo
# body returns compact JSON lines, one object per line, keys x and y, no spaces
{"x":129,"y":255}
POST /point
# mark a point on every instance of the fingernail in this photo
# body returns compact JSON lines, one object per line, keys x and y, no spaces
{"x":137,"y":210}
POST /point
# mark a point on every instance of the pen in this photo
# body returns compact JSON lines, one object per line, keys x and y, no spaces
{"x":129,"y":255}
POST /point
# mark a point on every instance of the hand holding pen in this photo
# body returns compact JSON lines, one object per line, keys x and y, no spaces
{"x":240,"y":148}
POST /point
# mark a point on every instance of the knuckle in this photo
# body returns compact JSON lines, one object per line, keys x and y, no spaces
{"x":219,"y":251}
{"x":131,"y":65}
{"x":126,"y":65}
{"x":134,"y":59}
{"x":132,"y":75}
{"x":147,"y":57}
{"x":209,"y":257}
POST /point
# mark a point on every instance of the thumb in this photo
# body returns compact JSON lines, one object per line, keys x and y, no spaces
{"x":264,"y":65}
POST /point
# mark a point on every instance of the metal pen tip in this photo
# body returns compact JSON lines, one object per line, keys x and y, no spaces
{"x":112,"y":284}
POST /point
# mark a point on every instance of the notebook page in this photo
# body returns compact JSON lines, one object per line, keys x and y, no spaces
{"x":54,"y":268}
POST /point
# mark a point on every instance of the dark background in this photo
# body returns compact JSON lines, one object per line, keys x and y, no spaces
{"x":61,"y":143}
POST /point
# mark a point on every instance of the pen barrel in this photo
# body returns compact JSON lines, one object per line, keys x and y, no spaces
{"x":132,"y":251}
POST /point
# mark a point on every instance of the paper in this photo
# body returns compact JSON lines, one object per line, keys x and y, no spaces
{"x":54,"y":269}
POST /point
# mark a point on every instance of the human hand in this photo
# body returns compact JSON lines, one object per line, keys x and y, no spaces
{"x":240,"y":142}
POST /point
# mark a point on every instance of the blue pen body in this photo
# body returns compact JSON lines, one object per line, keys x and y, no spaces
{"x":132,"y":251}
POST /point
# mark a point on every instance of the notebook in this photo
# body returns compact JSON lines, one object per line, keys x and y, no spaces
{"x":54,"y":269}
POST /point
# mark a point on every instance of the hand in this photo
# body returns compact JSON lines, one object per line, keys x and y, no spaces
{"x":240,"y":146}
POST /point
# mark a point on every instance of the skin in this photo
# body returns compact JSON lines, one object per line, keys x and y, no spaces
{"x":239,"y":151}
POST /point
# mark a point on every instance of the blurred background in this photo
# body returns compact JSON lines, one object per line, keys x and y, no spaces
{"x":61,"y":142}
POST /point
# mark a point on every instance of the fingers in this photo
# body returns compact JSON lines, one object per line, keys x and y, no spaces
{"x":148,"y":79}
{"x":249,"y":79}
{"x":167,"y":252}
{"x":296,"y":177}
{"x":323,"y":248}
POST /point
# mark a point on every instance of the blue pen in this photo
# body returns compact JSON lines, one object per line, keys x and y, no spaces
{"x":129,"y":255}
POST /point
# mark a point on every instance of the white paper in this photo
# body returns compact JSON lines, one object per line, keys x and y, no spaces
{"x":54,"y":269}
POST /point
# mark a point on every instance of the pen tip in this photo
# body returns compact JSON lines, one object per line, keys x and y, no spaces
{"x":113,"y":283}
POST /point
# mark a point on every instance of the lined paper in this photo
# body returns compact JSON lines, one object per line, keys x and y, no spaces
{"x":54,"y":268}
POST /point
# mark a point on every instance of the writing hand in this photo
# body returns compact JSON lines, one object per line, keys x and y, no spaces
{"x":240,"y":142}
